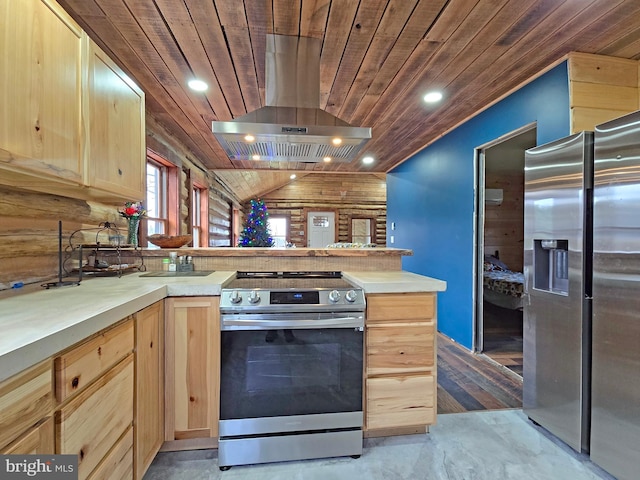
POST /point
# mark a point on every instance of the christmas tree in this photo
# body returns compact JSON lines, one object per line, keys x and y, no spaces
{"x":254,"y":231}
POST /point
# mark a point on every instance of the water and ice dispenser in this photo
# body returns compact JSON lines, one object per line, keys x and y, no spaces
{"x":551,"y":266}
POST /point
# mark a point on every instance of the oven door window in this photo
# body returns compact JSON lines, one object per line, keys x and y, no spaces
{"x":271,"y":373}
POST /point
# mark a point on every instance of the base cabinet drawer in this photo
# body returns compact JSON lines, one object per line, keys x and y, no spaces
{"x":84,"y":363}
{"x":400,"y":401}
{"x":400,"y":349}
{"x":24,"y":400}
{"x":94,"y":420}
{"x":118,"y":464}
{"x":37,"y":441}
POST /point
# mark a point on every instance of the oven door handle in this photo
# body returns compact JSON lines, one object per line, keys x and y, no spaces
{"x":257,"y":324}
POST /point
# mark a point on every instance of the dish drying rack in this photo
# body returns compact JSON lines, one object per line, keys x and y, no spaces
{"x":101,"y":251}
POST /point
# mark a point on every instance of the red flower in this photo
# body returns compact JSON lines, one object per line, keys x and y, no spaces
{"x":130,"y":211}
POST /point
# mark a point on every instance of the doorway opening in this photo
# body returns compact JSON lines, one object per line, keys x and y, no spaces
{"x":499,"y":247}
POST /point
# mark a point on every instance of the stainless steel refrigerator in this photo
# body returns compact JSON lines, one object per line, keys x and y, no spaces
{"x":615,"y":420}
{"x":557,"y":275}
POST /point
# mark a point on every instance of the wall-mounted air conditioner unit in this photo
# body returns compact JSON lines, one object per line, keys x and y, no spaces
{"x":493,"y":196}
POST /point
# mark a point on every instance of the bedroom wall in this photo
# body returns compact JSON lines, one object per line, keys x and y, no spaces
{"x":504,"y":224}
{"x":431,"y":196}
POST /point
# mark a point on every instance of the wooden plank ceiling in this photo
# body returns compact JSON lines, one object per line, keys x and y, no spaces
{"x":379,"y":57}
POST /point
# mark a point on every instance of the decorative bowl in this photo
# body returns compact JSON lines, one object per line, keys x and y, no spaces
{"x":169,"y":241}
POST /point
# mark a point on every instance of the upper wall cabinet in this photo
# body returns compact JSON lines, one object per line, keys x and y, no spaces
{"x":40,"y":87}
{"x":116,"y":146}
{"x":72,"y":122}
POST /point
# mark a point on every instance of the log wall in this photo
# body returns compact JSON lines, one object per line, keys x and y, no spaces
{"x":349,"y":195}
{"x":29,"y":220}
{"x":504,"y":224}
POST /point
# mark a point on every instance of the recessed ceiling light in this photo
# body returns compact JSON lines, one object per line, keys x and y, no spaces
{"x":197,"y":85}
{"x":255,"y":157}
{"x":326,"y":159}
{"x":292,"y":176}
{"x":432,"y":97}
{"x":249,"y":138}
{"x":367,"y":160}
{"x":336,"y":141}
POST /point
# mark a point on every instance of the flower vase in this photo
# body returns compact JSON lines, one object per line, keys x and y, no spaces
{"x":132,"y":233}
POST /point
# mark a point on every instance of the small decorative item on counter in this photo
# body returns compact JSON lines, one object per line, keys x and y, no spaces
{"x":133,"y":212}
{"x":169,"y":241}
{"x":165,"y":264}
{"x":173,"y":261}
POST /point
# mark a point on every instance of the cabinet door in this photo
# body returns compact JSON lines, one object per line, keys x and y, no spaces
{"x":96,"y":418}
{"x":118,"y":464}
{"x":116,"y":155}
{"x":25,"y":399}
{"x":192,"y":367}
{"x":40,"y":90}
{"x":37,"y":441}
{"x":149,"y":408}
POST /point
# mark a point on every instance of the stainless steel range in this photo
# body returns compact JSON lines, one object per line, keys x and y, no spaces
{"x":291,"y":368}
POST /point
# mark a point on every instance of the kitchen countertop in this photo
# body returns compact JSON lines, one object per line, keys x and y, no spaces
{"x":38,"y":325}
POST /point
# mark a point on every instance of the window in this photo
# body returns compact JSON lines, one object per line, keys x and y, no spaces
{"x":199,"y":216}
{"x":278,"y":226}
{"x":157,"y":220}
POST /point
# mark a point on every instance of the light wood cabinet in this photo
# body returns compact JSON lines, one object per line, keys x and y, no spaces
{"x":118,"y":464}
{"x":192,"y":340}
{"x":25,"y":399}
{"x":81,"y":365}
{"x":400,"y":380}
{"x":95,"y":419}
{"x":95,"y":387}
{"x":149,"y":386}
{"x":40,"y":84}
{"x":38,"y":440}
{"x":116,"y":144}
{"x":72,"y":123}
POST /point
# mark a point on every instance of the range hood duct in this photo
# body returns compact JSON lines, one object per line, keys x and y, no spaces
{"x":291,"y":127}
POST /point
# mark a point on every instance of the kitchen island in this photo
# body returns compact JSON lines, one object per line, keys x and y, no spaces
{"x":92,"y":346}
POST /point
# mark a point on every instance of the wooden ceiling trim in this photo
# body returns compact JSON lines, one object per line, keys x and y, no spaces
{"x":234,"y":22}
{"x":627,"y":35}
{"x":244,"y":67}
{"x":176,"y":16}
{"x":419,"y":24}
{"x":392,"y":24}
{"x":367,"y":20}
{"x":259,"y":20}
{"x":463,"y":90}
{"x":466,"y":57}
{"x":415,"y":84}
{"x":409,"y":74}
{"x":341,"y":18}
{"x":209,"y":30}
{"x":313,"y":18}
{"x":283,"y":22}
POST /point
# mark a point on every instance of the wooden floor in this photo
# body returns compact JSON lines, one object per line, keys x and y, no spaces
{"x":468,"y":381}
{"x":503,"y":336}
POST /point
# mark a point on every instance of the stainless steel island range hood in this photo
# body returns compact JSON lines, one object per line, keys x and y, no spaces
{"x":291,"y":127}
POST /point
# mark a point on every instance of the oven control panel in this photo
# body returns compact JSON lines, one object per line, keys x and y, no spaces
{"x":267,"y":299}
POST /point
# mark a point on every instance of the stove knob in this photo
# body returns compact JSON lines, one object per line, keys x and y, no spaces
{"x":351,"y":296}
{"x":235,"y":297}
{"x":254,"y":297}
{"x":334,"y":296}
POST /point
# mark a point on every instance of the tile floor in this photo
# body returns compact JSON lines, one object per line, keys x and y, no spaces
{"x":487,"y":445}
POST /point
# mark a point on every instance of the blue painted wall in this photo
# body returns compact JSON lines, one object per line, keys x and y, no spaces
{"x":430,"y":197}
